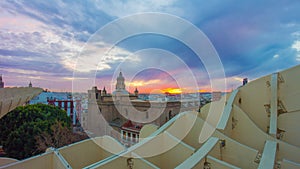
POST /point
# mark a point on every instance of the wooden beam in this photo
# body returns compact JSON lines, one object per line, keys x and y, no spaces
{"x":199,"y":154}
{"x":267,"y":160}
{"x":227,"y":110}
{"x":274,"y":104}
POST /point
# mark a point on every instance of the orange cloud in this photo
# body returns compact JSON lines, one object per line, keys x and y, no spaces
{"x":143,"y":83}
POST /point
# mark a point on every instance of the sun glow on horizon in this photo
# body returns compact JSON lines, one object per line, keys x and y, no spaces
{"x":172,"y":90}
{"x":204,"y":90}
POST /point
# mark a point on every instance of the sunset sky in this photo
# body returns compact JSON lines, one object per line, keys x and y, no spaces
{"x":46,"y":42}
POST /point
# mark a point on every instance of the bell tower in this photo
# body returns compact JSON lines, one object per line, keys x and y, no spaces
{"x":136,"y":92}
{"x":104,"y":92}
{"x":120,"y":82}
{"x":1,"y":82}
{"x":30,"y":84}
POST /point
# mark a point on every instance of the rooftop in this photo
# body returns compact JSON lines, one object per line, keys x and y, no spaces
{"x":255,"y":126}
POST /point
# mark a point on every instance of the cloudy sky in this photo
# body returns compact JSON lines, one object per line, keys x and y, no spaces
{"x":59,"y":44}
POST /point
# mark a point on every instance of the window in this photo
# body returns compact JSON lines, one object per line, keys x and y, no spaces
{"x":124,"y":135}
{"x":133,"y":136}
{"x":170,"y":114}
{"x":129,"y":135}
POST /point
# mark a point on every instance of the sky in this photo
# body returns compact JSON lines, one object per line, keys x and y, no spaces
{"x":58,"y":45}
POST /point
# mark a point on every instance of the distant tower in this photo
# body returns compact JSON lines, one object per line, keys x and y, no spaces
{"x":30,"y":84}
{"x":104,"y":91}
{"x":120,"y":82}
{"x":1,"y":82}
{"x":136,"y":92}
{"x":245,"y":81}
{"x":120,"y":87}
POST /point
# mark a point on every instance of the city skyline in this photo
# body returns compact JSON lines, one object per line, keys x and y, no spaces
{"x":41,"y":41}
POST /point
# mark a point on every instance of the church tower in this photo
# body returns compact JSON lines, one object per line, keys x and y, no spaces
{"x":136,"y":92}
{"x":120,"y":82}
{"x":120,"y":86}
{"x":1,"y":82}
{"x":104,"y":92}
{"x":30,"y":84}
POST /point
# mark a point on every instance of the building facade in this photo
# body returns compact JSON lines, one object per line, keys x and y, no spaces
{"x":68,"y":106}
{"x":62,"y":100}
{"x":126,"y":113}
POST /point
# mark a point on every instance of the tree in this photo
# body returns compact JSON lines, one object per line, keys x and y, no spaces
{"x":58,"y":137}
{"x":22,"y":130}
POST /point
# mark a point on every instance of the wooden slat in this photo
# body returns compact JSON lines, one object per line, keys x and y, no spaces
{"x":227,"y":110}
{"x":267,"y":160}
{"x":274,"y":102}
{"x":199,"y":154}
